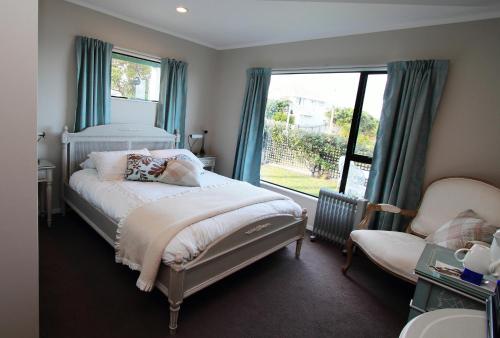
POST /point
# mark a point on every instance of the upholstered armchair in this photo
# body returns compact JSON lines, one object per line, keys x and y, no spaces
{"x":398,"y":252}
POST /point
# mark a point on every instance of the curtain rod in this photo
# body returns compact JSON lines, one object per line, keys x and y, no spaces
{"x":327,"y":69}
{"x":137,"y":54}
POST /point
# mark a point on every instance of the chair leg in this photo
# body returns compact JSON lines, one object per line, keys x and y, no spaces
{"x":349,"y":247}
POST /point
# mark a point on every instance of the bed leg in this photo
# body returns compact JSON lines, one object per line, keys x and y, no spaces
{"x":174,"y":316}
{"x":349,"y":247}
{"x":175,"y":291}
{"x":298,"y":247}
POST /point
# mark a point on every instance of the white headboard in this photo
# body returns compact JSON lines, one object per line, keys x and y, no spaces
{"x":110,"y":137}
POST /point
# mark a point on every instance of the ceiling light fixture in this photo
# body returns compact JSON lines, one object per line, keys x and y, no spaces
{"x":182,"y":10}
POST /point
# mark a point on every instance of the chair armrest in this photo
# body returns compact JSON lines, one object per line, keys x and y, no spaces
{"x":372,"y":208}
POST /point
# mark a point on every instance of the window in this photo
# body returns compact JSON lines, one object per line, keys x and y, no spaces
{"x":134,"y":78}
{"x":320,"y":130}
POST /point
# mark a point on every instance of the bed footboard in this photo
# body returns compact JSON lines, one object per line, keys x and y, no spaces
{"x":228,"y":255}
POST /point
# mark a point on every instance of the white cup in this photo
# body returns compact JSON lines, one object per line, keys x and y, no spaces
{"x":476,"y":259}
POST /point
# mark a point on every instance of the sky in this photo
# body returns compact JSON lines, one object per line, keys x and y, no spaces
{"x":337,"y":89}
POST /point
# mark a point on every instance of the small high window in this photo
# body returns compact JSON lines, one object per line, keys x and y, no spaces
{"x":134,"y":78}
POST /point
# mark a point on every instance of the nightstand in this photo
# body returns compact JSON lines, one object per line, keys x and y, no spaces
{"x":439,"y":291}
{"x":208,"y":161}
{"x":45,"y":175}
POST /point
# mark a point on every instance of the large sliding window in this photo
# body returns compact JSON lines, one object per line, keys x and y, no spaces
{"x":320,"y":130}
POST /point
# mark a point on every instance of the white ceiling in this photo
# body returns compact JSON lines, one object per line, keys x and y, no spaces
{"x":225,"y":24}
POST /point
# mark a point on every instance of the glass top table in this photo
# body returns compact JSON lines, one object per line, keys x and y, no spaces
{"x":433,"y":253}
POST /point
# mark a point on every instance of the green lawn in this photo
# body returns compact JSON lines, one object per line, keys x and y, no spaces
{"x":295,"y":180}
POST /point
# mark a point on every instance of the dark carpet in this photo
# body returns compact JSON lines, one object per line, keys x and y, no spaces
{"x":84,"y":293}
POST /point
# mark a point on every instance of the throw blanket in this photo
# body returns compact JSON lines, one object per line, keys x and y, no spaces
{"x":147,"y":230}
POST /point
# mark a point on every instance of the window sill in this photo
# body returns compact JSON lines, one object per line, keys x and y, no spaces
{"x":133,"y":100}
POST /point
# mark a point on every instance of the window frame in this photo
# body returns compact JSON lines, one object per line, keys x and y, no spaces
{"x":350,"y":155}
{"x":133,"y":56}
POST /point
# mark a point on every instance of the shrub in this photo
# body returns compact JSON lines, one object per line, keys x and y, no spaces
{"x":320,"y":151}
{"x":282,"y":117}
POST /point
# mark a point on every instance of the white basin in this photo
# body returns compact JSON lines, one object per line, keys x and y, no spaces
{"x":447,"y":323}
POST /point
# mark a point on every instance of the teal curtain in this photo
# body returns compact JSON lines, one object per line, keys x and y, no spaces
{"x":93,"y":78}
{"x":249,"y":147}
{"x":411,"y":100}
{"x":171,"y":109}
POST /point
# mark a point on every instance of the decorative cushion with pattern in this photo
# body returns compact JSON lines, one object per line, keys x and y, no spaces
{"x":183,"y":157}
{"x":184,"y":153}
{"x":467,"y":226}
{"x":181,"y":172}
{"x":144,"y":168}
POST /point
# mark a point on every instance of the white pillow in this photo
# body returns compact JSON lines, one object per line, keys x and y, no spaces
{"x":112,"y":165}
{"x":167,"y":153}
{"x":87,"y":164}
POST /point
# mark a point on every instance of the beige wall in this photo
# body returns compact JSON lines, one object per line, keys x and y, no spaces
{"x":464,"y":138}
{"x":60,"y":22}
{"x":466,"y":134}
{"x":18,"y":187}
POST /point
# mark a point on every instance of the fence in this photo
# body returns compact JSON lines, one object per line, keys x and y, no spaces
{"x":282,"y":153}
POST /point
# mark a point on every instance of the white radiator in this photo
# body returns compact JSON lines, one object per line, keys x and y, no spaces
{"x":336,"y":215}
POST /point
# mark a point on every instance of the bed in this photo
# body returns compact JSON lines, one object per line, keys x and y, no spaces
{"x":229,"y":243}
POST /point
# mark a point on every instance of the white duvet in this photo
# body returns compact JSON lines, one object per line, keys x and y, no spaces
{"x":118,"y":198}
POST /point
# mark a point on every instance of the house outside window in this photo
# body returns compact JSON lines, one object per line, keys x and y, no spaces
{"x":320,"y":130}
{"x":134,"y":78}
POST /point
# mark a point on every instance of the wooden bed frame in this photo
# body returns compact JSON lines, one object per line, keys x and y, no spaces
{"x":179,"y":279}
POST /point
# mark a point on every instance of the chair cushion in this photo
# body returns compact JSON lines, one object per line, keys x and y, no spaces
{"x":464,"y":228}
{"x":395,"y":251}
